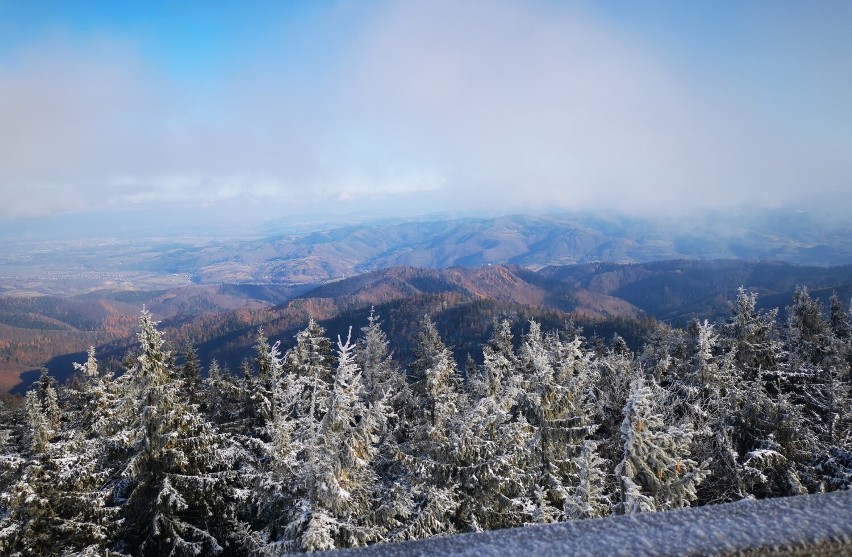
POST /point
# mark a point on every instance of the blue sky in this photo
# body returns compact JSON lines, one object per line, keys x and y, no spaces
{"x":261,"y":109}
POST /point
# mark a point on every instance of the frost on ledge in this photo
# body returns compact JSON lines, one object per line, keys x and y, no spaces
{"x":818,"y":525}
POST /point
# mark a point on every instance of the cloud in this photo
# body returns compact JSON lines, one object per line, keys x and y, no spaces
{"x":495,"y":105}
{"x":546,"y":104}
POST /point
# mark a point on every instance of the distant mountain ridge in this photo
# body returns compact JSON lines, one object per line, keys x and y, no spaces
{"x":222,"y":321}
{"x":315,"y":255}
{"x":528,"y":241}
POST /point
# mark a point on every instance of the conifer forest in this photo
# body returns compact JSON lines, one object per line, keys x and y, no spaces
{"x":334,"y":442}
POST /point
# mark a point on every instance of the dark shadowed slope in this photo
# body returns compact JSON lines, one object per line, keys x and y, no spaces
{"x":681,"y":289}
{"x":818,"y":525}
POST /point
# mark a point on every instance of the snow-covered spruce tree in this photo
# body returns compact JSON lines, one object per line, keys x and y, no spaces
{"x":96,"y":400}
{"x":246,"y":411}
{"x":43,"y":412}
{"x":549,"y":483}
{"x":344,"y":485}
{"x":390,"y":408}
{"x":90,"y":368}
{"x":11,"y":446}
{"x":12,"y":462}
{"x":714,"y":397}
{"x":177,"y":502}
{"x":764,"y":421}
{"x":245,"y":454}
{"x":840,"y":321}
{"x":304,"y":394}
{"x":278,"y":490}
{"x":813,"y":373}
{"x":558,"y":405}
{"x":388,"y":395}
{"x":695,"y":377}
{"x":436,"y":379}
{"x":492,"y":483}
{"x":501,"y":375}
{"x":190,"y":374}
{"x":57,"y":504}
{"x":32,"y":526}
{"x":381,"y":375}
{"x":89,"y":465}
{"x":768,"y":473}
{"x":495,"y":444}
{"x":664,"y":354}
{"x":655,"y":472}
{"x":261,"y":399}
{"x":691,"y":361}
{"x":308,"y":367}
{"x":809,"y":375}
{"x":807,"y":332}
{"x":753,"y":337}
{"x":840,"y":362}
{"x":770,"y":437}
{"x":589,"y":498}
{"x":242,"y":407}
{"x":430,"y":453}
{"x":274,"y":465}
{"x":220,"y":394}
{"x":576,"y":377}
{"x":97,"y":447}
{"x":89,"y":396}
{"x":613,"y":375}
{"x":839,"y":318}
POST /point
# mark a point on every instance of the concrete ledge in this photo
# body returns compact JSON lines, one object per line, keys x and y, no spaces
{"x":818,"y":525}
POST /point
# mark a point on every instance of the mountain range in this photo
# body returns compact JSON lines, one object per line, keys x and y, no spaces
{"x":528,"y":241}
{"x":222,"y":321}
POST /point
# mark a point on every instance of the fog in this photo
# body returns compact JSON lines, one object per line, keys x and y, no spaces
{"x":406,"y":107}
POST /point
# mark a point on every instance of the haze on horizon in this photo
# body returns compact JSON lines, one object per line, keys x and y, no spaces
{"x":263,"y":109}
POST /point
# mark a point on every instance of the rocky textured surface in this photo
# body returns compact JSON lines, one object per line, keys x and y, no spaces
{"x":818,"y":525}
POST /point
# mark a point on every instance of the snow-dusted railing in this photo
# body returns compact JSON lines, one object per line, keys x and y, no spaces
{"x":818,"y":525}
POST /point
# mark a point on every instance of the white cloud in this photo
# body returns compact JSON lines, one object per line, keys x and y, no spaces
{"x":543,"y":104}
{"x":494,"y":104}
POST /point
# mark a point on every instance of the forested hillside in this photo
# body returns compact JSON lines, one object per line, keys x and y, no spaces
{"x":221,"y":321}
{"x":53,"y":330}
{"x":336,"y":443}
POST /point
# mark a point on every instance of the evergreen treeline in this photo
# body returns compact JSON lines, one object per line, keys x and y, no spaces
{"x":334,"y":444}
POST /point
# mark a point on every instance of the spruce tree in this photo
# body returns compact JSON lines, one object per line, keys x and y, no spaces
{"x":190,"y":374}
{"x":715,"y":398}
{"x":589,"y":498}
{"x":754,"y":337}
{"x":839,"y":319}
{"x":558,"y":405}
{"x":58,"y":503}
{"x":655,"y":471}
{"x":390,"y":411}
{"x":177,"y":503}
{"x":430,"y":453}
{"x":344,"y":484}
{"x":34,"y":525}
{"x":496,"y":443}
{"x":305,"y":393}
